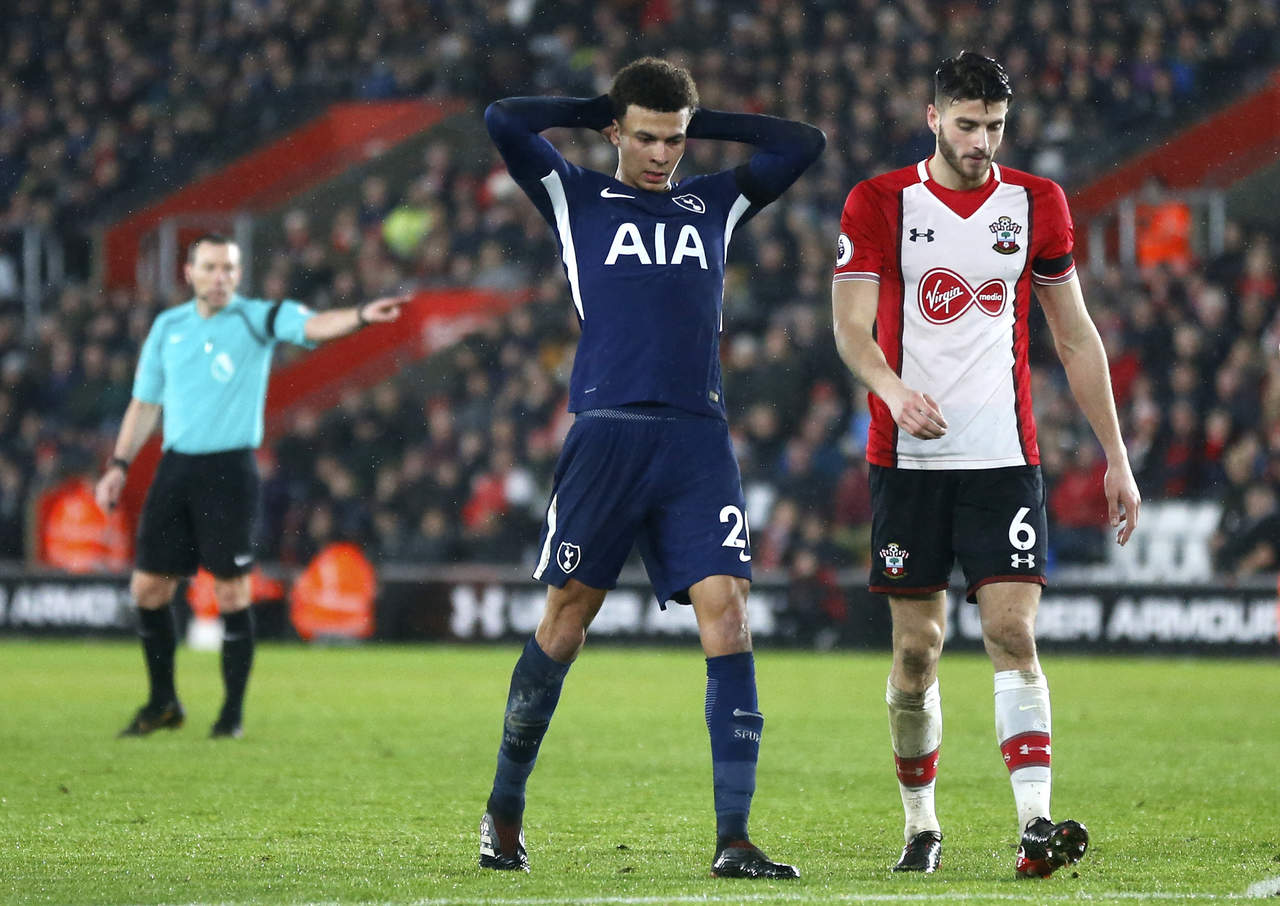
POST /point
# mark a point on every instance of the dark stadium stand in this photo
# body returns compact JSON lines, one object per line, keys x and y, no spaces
{"x":449,"y":462}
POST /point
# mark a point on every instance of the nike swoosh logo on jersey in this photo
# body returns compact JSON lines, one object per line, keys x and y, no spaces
{"x":175,"y":338}
{"x":605,"y":193}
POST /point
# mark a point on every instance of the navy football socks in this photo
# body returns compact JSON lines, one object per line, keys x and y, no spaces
{"x":735,"y":725}
{"x":535,"y":691}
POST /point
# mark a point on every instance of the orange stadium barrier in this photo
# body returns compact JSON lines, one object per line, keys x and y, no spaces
{"x":333,"y":598}
{"x":74,"y":535}
{"x":204,"y":605}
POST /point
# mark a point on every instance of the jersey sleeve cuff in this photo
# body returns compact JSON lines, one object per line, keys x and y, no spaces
{"x":1054,"y":279}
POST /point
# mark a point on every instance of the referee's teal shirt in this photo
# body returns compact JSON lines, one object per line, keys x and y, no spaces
{"x":210,"y":374}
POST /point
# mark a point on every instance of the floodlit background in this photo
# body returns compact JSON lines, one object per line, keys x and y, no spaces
{"x":341,"y":144}
{"x":406,"y":467}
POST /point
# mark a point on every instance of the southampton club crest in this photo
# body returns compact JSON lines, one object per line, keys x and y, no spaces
{"x":895,"y":560}
{"x":568,"y":556}
{"x":1006,"y":235}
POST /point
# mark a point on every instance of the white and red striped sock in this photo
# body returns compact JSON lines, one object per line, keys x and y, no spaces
{"x":915,"y":729}
{"x":1024,"y":731}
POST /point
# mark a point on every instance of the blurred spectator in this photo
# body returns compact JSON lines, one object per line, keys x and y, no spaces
{"x":13,"y":506}
{"x":815,"y":605}
{"x":1077,"y":507}
{"x":1163,"y":224}
{"x":435,"y":541}
{"x":1253,"y":547}
{"x":410,"y":222}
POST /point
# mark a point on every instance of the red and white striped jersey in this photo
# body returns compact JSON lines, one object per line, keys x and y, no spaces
{"x":955,"y":270}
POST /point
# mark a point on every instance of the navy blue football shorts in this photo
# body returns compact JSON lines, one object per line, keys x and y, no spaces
{"x":991,"y":520}
{"x":199,"y":512}
{"x":655,"y":477}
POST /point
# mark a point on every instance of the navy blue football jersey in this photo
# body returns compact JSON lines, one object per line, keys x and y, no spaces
{"x":646,"y":269}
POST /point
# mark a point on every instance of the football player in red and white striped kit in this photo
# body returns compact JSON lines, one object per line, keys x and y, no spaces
{"x":935,"y":269}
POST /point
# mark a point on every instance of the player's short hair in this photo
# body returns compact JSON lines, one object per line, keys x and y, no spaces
{"x":654,"y":84}
{"x":971,"y":77}
{"x":212,"y":239}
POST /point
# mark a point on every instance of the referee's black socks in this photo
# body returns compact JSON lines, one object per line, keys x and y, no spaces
{"x":237,"y":659}
{"x":159,"y":642}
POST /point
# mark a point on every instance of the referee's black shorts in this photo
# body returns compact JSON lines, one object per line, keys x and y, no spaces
{"x":199,"y":512}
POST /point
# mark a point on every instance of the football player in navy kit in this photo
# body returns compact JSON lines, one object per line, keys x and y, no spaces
{"x":932,"y":288}
{"x":648,"y":461}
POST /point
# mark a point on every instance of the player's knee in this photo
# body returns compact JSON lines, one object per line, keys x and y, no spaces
{"x":1010,"y":644}
{"x":561,"y":640}
{"x":569,"y":611}
{"x":722,"y":617}
{"x":918,"y":660}
{"x":923,"y":638}
{"x":151,"y":592}
{"x":232,"y":594}
{"x":562,"y":633}
{"x":727,"y":632}
{"x":918,"y":651}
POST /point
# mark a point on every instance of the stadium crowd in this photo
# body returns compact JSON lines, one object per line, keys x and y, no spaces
{"x":104,"y":104}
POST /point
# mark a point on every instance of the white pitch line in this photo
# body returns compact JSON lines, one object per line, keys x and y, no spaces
{"x":1268,"y":888}
{"x":816,"y":897}
{"x":1080,"y":897}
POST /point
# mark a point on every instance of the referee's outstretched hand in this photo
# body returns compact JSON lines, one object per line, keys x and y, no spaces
{"x":380,"y":311}
{"x":107,"y":491}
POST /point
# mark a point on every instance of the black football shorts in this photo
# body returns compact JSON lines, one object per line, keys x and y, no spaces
{"x":199,"y":512}
{"x":991,"y":520}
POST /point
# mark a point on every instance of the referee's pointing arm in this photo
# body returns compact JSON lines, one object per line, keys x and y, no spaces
{"x":329,"y":325}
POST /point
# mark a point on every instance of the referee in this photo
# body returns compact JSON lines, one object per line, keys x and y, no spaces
{"x":205,"y":364}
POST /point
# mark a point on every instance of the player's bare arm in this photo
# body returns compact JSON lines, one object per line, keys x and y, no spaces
{"x":1085,"y":361}
{"x":140,"y":419}
{"x":329,"y":325}
{"x":853,"y":309}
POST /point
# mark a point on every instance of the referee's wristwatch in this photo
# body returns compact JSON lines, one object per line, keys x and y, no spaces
{"x":121,"y":462}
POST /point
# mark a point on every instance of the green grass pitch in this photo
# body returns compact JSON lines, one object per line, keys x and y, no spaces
{"x":363,"y":774}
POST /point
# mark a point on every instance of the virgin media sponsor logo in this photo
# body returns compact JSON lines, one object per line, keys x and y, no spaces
{"x":945,"y":296}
